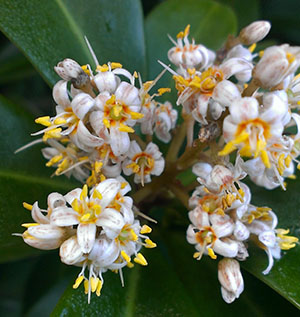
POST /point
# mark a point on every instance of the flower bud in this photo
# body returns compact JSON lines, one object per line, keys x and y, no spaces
{"x":230,"y":278}
{"x":254,"y":32}
{"x":70,"y":251}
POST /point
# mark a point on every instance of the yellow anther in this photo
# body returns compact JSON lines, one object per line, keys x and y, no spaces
{"x":86,"y":69}
{"x":290,"y":57}
{"x":261,"y":53}
{"x":123,"y":185}
{"x":220,"y":211}
{"x":246,"y":151}
{"x":187,"y":30}
{"x":52,"y":134}
{"x":85,"y":217}
{"x":125,"y":256}
{"x":196,"y":255}
{"x":98,"y":166}
{"x":161,"y":91}
{"x":111,"y":100}
{"x":293,"y":176}
{"x":97,"y":194}
{"x":211,"y":253}
{"x":288,"y":161}
{"x":75,"y":205}
{"x":145,"y":229}
{"x":86,"y":286}
{"x":94,"y":283}
{"x":45,"y":121}
{"x":191,"y":71}
{"x":139,"y":259}
{"x":150,"y":244}
{"x":180,"y":35}
{"x":102,"y":68}
{"x":134,"y":236}
{"x":99,"y":287}
{"x":260,"y":146}
{"x":125,"y":128}
{"x":106,"y":123}
{"x":130,"y":265}
{"x":228,"y":148}
{"x":135,"y":74}
{"x":59,"y":121}
{"x":27,"y":206}
{"x":78,"y":281}
{"x":102,"y":178}
{"x":84,"y":192}
{"x":252,"y":48}
{"x":115,"y":65}
{"x":136,"y":115}
{"x":28,"y":225}
{"x":265,"y":158}
{"x":55,"y":159}
{"x":97,"y":209}
{"x":246,"y":86}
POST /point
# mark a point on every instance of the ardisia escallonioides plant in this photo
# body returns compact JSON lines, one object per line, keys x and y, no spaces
{"x":241,"y":102}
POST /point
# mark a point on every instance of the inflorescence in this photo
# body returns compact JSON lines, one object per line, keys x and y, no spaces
{"x":241,"y":102}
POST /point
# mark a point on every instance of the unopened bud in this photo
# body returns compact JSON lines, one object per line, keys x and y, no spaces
{"x":70,"y":251}
{"x":230,"y":278}
{"x":254,"y":32}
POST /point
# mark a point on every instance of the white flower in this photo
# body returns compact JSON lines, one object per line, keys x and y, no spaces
{"x":250,"y":127}
{"x":230,"y":278}
{"x":165,"y":120}
{"x":42,"y":234}
{"x":143,"y":163}
{"x":117,"y":114}
{"x":276,"y":64}
{"x":91,"y":212}
{"x":189,"y":55}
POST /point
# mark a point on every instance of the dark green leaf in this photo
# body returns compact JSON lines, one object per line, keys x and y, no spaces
{"x":49,"y":31}
{"x":23,"y":177}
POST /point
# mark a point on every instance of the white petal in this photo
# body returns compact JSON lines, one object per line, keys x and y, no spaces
{"x":86,"y":139}
{"x":228,"y":249}
{"x":119,"y":142}
{"x":60,"y":94}
{"x":46,"y":232}
{"x":244,"y":109}
{"x":37,"y":215}
{"x":86,"y":234}
{"x":128,"y":94}
{"x":75,"y":193}
{"x":56,"y":200}
{"x":70,"y":251}
{"x":111,"y":221}
{"x":158,"y":166}
{"x":234,"y":66}
{"x":63,"y":217}
{"x":82,"y":104}
{"x":226,"y":92}
{"x":108,"y":189}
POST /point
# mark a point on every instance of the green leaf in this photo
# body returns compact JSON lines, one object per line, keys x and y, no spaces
{"x":174,"y":284}
{"x":49,"y":31}
{"x":210,"y":23}
{"x":284,"y":276}
{"x":23,"y":177}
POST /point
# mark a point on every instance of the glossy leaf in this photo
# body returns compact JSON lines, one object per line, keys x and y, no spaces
{"x":49,"y":31}
{"x":285,"y":274}
{"x":174,"y":284}
{"x":23,"y":177}
{"x":210,"y":23}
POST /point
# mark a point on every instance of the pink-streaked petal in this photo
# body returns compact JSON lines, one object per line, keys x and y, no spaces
{"x":244,"y":109}
{"x":119,"y":141}
{"x":82,"y":104}
{"x":73,"y":194}
{"x":111,"y":221}
{"x":63,"y":217}
{"x":60,"y":94}
{"x":234,"y":66}
{"x":37,"y":215}
{"x":159,"y":166}
{"x":56,"y":200}
{"x":70,"y":251}
{"x":86,"y":234}
{"x":128,"y":94}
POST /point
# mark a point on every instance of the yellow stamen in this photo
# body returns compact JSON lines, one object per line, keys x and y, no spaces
{"x":94,"y":283}
{"x":75,"y":205}
{"x":27,"y":206}
{"x":52,"y":134}
{"x":125,"y":128}
{"x":187,"y":30}
{"x":85,"y":217}
{"x":103,"y":68}
{"x":130,"y":265}
{"x":145,"y":229}
{"x":265,"y":158}
{"x":86,"y":69}
{"x":78,"y":281}
{"x":196,"y":255}
{"x":45,"y":121}
{"x":252,"y":48}
{"x":211,"y":253}
{"x":125,"y":256}
{"x":84,"y":192}
{"x":86,"y":286}
{"x":99,"y":287}
{"x":135,"y":74}
{"x":150,"y":244}
{"x":55,"y":159}
{"x":97,"y":194}
{"x":134,"y":237}
{"x":28,"y":225}
{"x":161,"y":91}
{"x":139,"y":259}
{"x":59,"y":121}
{"x":136,"y":115}
{"x":106,"y":123}
{"x":261,"y":53}
{"x":115,"y":65}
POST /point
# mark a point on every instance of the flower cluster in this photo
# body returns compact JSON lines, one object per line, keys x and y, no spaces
{"x":253,"y":111}
{"x":244,"y":105}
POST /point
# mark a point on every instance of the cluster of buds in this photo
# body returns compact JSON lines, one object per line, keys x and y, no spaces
{"x":253,"y":112}
{"x":242,"y":102}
